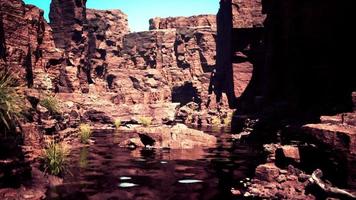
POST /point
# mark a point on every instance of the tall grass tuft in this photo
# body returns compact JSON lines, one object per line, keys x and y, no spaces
{"x":11,"y":103}
{"x":55,"y":158}
{"x":85,"y":133}
{"x":117,"y":123}
{"x":215,"y":121}
{"x":51,"y":104}
{"x":145,"y":121}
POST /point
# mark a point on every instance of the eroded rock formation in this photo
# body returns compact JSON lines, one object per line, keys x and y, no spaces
{"x":239,"y":46}
{"x":146,"y":69}
{"x":27,"y":47}
{"x":182,"y":22}
{"x":68,"y":20}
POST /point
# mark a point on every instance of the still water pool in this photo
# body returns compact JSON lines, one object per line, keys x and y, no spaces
{"x":106,"y":171}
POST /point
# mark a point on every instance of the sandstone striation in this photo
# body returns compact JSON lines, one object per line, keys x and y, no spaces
{"x":27,"y":46}
{"x":182,"y":22}
{"x":247,"y":14}
{"x":172,"y":64}
{"x":68,"y":20}
{"x":106,"y":31}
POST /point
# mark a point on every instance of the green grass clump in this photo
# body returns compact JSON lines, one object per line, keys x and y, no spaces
{"x":55,"y":157}
{"x":145,"y":121}
{"x":215,"y":121}
{"x":228,"y":119}
{"x":117,"y":123}
{"x":51,"y":104}
{"x":10,"y":101}
{"x":85,"y":133}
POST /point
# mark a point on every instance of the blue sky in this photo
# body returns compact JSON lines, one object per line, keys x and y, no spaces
{"x":140,"y":11}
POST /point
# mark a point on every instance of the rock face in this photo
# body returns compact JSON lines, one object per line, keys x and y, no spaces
{"x":336,"y":136}
{"x":290,"y":73}
{"x":182,"y":22}
{"x":145,"y":69}
{"x":27,"y":47}
{"x":107,"y":29}
{"x":68,"y":20}
{"x":247,"y":14}
{"x":176,"y":137}
{"x":296,"y":68}
{"x":239,"y":46}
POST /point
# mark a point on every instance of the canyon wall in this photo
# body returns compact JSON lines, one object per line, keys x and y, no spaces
{"x":294,"y":63}
{"x":287,"y":65}
{"x":182,"y":22}
{"x":239,"y":47}
{"x":306,"y":63}
{"x":87,"y":51}
{"x":70,"y":28}
{"x":27,"y":47}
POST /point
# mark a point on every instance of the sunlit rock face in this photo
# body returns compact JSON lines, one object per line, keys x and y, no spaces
{"x":106,"y":31}
{"x":26,"y":45}
{"x":166,"y":65}
{"x":70,"y":31}
{"x":181,"y":22}
{"x":169,"y":65}
{"x":247,"y":14}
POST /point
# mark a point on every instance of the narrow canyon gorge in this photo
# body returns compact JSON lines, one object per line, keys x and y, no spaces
{"x":255,"y":102}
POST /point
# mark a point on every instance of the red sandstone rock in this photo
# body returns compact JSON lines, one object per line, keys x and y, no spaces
{"x":242,"y":76}
{"x":70,"y":31}
{"x":239,"y":45}
{"x":27,"y":45}
{"x":176,"y":137}
{"x":354,"y":100}
{"x":181,"y":22}
{"x":288,"y":152}
{"x":267,"y":172}
{"x":106,"y":31}
{"x":247,"y":14}
{"x":340,"y":137}
{"x":271,"y":182}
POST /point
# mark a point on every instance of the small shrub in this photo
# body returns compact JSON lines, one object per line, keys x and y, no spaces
{"x":51,"y":103}
{"x":228,"y":119}
{"x":189,"y":119}
{"x":85,"y":133}
{"x":145,"y":121}
{"x":10,"y":101}
{"x":117,"y":123}
{"x":215,"y":121}
{"x":55,"y":156}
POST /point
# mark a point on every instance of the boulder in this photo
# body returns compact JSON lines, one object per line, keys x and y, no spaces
{"x":267,"y":172}
{"x":287,"y":154}
{"x":338,"y":137}
{"x":173,"y":137}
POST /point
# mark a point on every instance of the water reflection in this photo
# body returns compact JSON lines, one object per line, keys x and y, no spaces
{"x":83,"y":157}
{"x":107,"y":171}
